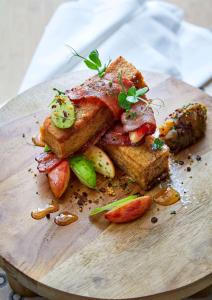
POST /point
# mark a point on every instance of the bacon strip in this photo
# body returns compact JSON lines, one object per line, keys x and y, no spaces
{"x":102,"y":90}
{"x":47,"y":162}
{"x":105,"y":91}
{"x":143,"y":115}
{"x":116,"y":136}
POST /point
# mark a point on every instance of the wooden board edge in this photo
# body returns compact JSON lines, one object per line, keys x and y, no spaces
{"x":51,"y":293}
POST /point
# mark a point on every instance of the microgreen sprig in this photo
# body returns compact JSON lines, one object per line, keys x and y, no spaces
{"x":157,"y":144}
{"x":93,"y":62}
{"x":58,"y":91}
{"x":127,"y":98}
{"x":57,"y":98}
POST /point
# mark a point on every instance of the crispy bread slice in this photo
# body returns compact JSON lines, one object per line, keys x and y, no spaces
{"x":91,"y":118}
{"x":141,"y":163}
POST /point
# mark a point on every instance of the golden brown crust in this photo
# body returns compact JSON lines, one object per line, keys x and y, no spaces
{"x":64,"y":144}
{"x":144,"y":165}
{"x":128,"y":71}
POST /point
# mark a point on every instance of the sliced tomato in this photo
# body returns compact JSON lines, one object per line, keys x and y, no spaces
{"x":59,"y":178}
{"x":129,"y":211}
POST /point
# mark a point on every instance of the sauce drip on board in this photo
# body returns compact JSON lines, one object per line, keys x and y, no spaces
{"x":65,"y":218}
{"x":166,"y":196}
{"x":41,"y":213}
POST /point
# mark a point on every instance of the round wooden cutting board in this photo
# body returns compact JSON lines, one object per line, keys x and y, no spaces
{"x":170,"y":259}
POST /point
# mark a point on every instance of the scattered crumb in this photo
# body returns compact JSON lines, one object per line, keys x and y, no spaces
{"x":36,"y":193}
{"x":173,"y":212}
{"x":198,"y":158}
{"x":110,"y":191}
{"x":102,"y":190}
{"x":154,"y":220}
{"x":48,"y":216}
{"x":23,"y":135}
{"x":188,"y":169}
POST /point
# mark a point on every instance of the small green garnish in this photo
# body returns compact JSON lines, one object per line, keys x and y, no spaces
{"x":127,"y":98}
{"x":93,"y":62}
{"x":157,"y":144}
{"x":63,"y":111}
{"x":84,"y":170}
{"x":112,"y":205}
{"x":58,"y":91}
{"x":110,"y":83}
{"x":47,"y":148}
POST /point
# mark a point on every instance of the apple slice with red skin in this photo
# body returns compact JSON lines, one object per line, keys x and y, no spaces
{"x":137,"y":135}
{"x":59,"y":178}
{"x":129,"y":211}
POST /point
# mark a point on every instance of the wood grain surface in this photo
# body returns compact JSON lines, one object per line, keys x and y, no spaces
{"x":168,"y":260}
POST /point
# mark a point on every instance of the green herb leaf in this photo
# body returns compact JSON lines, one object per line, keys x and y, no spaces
{"x":131,"y":91}
{"x":132,"y":99}
{"x":157,"y":144}
{"x":90,"y":64}
{"x":127,"y":98}
{"x":94,"y":56}
{"x":122,"y":100}
{"x":47,"y":148}
{"x":112,"y":205}
{"x":142,"y":91}
{"x":94,"y":62}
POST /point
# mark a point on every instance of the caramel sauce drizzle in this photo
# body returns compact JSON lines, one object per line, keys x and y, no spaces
{"x":65,"y":218}
{"x":166,"y":196}
{"x":41,"y":213}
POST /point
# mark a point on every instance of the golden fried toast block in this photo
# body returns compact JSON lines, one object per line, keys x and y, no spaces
{"x":65,"y":142}
{"x":141,"y":163}
{"x":90,"y":118}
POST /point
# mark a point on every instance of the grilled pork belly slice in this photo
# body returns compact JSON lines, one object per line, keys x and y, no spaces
{"x":184,"y":127}
{"x":141,"y":163}
{"x":93,"y":116}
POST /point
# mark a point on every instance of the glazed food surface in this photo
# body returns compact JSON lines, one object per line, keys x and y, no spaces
{"x":90,"y":258}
